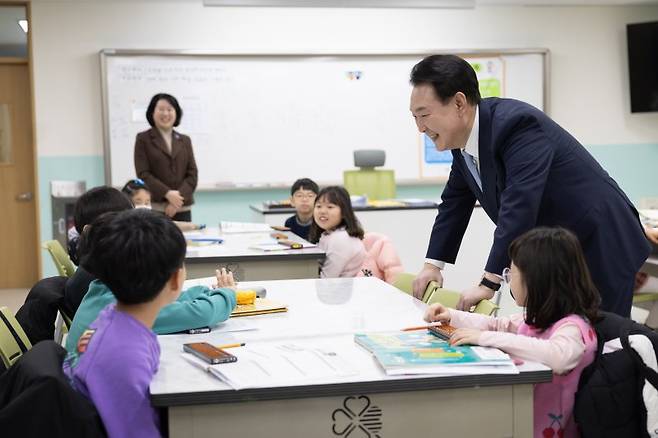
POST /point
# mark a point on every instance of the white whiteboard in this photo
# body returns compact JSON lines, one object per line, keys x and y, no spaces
{"x":266,"y":120}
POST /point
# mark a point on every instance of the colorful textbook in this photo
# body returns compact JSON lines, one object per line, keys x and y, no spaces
{"x":421,"y":352}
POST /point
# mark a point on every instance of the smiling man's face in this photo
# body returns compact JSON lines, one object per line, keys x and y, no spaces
{"x":446,"y":123}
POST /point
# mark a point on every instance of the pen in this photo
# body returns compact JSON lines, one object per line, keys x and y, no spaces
{"x":424,"y":327}
{"x":231,"y":345}
{"x":195,"y":331}
{"x":291,"y":244}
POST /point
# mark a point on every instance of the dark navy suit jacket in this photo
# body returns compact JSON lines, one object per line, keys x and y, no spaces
{"x":534,"y":173}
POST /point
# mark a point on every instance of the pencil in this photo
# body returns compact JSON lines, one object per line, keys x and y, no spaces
{"x":231,"y":345}
{"x":424,"y":327}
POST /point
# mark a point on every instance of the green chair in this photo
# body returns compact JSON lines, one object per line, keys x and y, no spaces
{"x":404,"y":282}
{"x":63,"y":263}
{"x":648,"y":301}
{"x":449,"y":298}
{"x":13,"y":340}
{"x":375,"y":184}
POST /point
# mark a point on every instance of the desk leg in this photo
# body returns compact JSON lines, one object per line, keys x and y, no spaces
{"x":523,"y":410}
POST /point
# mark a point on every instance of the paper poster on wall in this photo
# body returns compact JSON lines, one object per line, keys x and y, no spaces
{"x":491,"y":79}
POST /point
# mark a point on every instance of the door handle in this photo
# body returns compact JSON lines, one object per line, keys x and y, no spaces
{"x":24,"y":197}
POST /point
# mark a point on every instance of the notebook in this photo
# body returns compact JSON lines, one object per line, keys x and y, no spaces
{"x":261,"y":306}
{"x":423,"y":353}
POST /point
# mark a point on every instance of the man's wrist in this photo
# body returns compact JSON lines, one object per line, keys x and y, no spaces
{"x":492,"y":277}
{"x":489,"y":284}
{"x":436,"y":263}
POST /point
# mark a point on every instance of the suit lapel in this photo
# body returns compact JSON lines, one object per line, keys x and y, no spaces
{"x":487,"y":165}
{"x":157,"y":139}
{"x":175,"y":143}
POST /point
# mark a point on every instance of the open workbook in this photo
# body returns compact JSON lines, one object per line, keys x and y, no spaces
{"x":261,"y":306}
{"x":420,"y":352}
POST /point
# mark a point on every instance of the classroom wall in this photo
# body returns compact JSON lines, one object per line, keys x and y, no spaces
{"x":588,"y":94}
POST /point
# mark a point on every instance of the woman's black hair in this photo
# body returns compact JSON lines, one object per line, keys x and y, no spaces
{"x":133,"y":186}
{"x":339,"y":196}
{"x":556,"y":276}
{"x":172,"y":101}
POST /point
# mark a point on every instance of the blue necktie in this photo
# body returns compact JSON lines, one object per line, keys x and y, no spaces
{"x":472,"y":167}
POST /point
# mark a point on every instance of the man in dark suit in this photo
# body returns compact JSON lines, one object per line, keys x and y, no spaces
{"x":525,"y":171}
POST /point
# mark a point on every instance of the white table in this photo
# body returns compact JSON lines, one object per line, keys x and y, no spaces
{"x":246,"y":263}
{"x":325,"y":313}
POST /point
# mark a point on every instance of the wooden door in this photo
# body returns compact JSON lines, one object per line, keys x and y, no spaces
{"x":19,"y":257}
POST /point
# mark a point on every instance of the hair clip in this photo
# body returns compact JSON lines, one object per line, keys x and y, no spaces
{"x":139,"y":181}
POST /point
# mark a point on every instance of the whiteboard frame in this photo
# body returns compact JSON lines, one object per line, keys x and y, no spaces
{"x":106,"y":53}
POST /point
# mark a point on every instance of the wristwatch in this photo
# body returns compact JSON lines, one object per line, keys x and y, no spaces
{"x":489,"y":284}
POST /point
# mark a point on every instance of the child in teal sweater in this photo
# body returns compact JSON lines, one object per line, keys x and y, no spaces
{"x":198,"y":306}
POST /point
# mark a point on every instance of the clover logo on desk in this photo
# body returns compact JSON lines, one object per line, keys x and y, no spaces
{"x":357,"y":418}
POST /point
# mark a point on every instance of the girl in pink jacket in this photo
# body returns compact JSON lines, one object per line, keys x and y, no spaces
{"x":338,"y":233}
{"x":548,"y":276}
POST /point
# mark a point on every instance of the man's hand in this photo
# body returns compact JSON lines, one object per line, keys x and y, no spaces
{"x":427,"y":274}
{"x":470,"y":297}
{"x":174,"y":197}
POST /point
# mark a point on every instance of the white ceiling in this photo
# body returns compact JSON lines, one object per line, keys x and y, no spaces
{"x":11,"y":34}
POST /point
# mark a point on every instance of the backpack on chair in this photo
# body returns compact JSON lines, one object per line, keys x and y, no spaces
{"x":618,"y":392}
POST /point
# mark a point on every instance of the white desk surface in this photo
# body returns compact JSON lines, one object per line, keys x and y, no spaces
{"x":323,"y":313}
{"x":236,"y":247}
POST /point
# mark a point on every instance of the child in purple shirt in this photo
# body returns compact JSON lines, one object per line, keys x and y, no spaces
{"x":139,"y":255}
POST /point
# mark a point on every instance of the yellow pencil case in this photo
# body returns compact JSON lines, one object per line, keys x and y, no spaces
{"x":246,"y":296}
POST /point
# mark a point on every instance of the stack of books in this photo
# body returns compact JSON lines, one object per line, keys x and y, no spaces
{"x":421,"y":352}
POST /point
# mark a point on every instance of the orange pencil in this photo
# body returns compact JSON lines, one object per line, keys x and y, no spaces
{"x":424,"y":327}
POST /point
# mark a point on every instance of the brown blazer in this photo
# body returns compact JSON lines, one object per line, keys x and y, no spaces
{"x":162,"y":171}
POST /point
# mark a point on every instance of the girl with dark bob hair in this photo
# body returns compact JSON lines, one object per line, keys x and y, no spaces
{"x":549,"y":277}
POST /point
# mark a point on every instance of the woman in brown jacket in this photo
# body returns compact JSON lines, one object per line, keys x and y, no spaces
{"x":164,"y":159}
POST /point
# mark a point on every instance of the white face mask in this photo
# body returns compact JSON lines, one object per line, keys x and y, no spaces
{"x":148,"y":207}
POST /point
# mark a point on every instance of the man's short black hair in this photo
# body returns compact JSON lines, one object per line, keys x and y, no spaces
{"x":134,"y":253}
{"x":97,"y":201}
{"x":172,"y":101}
{"x":448,"y":75}
{"x":304,"y":184}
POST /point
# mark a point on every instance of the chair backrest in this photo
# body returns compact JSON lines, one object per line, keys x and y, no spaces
{"x":63,"y":263}
{"x":449,"y":298}
{"x":13,"y":340}
{"x":373,"y":183}
{"x":404,"y":281}
{"x":382,"y":259}
{"x":37,"y":385}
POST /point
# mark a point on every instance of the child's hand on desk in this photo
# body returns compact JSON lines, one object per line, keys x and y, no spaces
{"x":437,"y":312}
{"x":224,"y":279}
{"x":465,"y":336}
